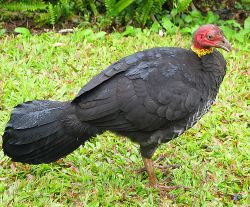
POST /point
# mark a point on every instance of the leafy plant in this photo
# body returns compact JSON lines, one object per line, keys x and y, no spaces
{"x":192,"y":20}
{"x":2,"y":32}
{"x":110,"y":14}
{"x":114,"y":8}
{"x":55,"y":12}
{"x":23,"y":6}
{"x":138,"y":12}
{"x":23,"y":31}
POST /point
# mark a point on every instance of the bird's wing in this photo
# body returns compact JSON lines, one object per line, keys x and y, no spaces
{"x":100,"y":101}
{"x":178,"y":101}
{"x":160,"y":93}
{"x":133,"y":61}
{"x":114,"y":69}
{"x":144,"y":92}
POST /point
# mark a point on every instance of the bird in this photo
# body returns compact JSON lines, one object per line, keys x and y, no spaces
{"x":150,"y":97}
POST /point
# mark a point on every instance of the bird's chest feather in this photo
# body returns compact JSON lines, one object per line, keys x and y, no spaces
{"x":201,"y":110}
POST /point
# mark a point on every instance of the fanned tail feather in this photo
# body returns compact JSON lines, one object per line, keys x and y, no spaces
{"x":44,"y":131}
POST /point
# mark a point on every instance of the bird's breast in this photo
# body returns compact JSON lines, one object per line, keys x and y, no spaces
{"x":201,"y":110}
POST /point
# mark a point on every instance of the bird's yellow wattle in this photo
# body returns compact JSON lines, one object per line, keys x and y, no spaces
{"x":201,"y":52}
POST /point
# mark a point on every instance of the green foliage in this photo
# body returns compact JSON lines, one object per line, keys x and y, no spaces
{"x":81,"y":5}
{"x":2,"y":32}
{"x":23,"y":6}
{"x":110,"y":12}
{"x":52,"y":14}
{"x":109,"y":4}
{"x":187,"y":23}
{"x":23,"y":31}
{"x":61,"y":10}
{"x":139,"y":12}
{"x":180,"y":6}
{"x":242,"y":4}
{"x":143,"y":12}
{"x":43,"y":13}
{"x":114,"y":8}
{"x":247,"y":24}
{"x":170,"y":16}
{"x":168,"y":25}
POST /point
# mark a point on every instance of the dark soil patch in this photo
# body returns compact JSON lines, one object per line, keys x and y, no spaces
{"x":30,"y":24}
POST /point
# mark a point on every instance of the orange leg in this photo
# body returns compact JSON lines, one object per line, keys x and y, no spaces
{"x":149,"y":166}
{"x":153,"y":182}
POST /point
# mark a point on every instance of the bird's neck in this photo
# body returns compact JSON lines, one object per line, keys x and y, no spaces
{"x":214,"y":66}
{"x":201,"y":51}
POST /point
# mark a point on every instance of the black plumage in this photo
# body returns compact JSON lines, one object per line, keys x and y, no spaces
{"x":151,"y":97}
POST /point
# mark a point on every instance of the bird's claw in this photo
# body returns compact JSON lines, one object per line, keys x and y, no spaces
{"x":163,"y":168}
{"x":164,"y":188}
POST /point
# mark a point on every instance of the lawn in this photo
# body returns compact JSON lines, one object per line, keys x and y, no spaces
{"x":213,"y":156}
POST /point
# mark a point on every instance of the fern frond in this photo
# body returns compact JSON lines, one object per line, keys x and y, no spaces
{"x":80,"y":5}
{"x":93,"y":8}
{"x":109,"y":4}
{"x":52,"y":15}
{"x":42,"y":19}
{"x":143,"y":11}
{"x":157,"y":6}
{"x":64,"y":8}
{"x":182,"y":5}
{"x":121,"y":5}
{"x":38,"y":5}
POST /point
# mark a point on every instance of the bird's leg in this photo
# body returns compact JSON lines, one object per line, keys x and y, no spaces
{"x":148,"y":148}
{"x":149,"y":166}
{"x":153,"y":182}
{"x":147,"y":153}
{"x":142,"y":169}
{"x":163,"y":168}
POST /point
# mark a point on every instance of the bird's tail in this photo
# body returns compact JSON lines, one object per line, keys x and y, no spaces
{"x":44,"y":131}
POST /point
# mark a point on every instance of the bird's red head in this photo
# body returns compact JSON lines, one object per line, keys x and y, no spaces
{"x":209,"y":36}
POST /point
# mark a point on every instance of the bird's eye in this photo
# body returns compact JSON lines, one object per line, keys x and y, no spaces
{"x":209,"y":37}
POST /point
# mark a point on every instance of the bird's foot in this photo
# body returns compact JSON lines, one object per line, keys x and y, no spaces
{"x":164,"y":190}
{"x":163,"y":168}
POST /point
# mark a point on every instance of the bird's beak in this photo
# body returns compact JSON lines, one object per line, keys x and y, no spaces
{"x":224,"y":44}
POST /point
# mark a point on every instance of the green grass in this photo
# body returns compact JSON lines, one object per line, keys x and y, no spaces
{"x":214,"y":155}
